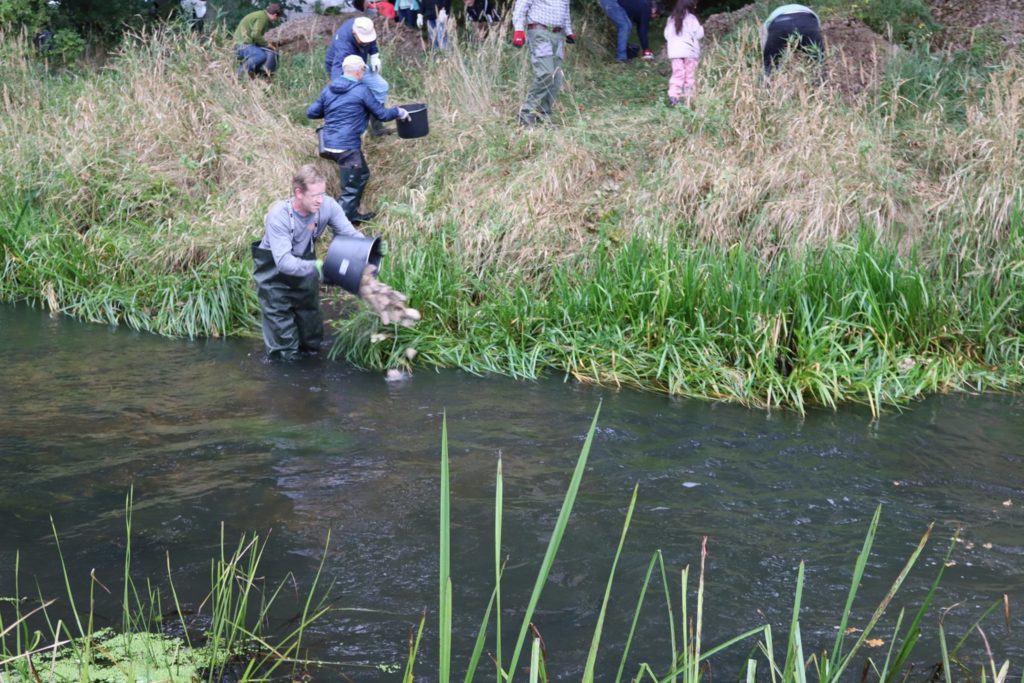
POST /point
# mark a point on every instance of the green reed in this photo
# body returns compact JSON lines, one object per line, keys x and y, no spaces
{"x":238,"y":607}
{"x":689,"y":656}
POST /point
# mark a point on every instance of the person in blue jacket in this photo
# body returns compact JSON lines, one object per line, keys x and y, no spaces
{"x":345,"y":105}
{"x":357,"y":36}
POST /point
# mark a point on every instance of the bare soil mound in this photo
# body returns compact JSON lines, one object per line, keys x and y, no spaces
{"x":308,"y":32}
{"x":857,"y":55}
{"x":717,"y":25}
{"x":1004,"y":17}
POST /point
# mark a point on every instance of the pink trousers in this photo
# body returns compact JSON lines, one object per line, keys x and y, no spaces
{"x":683,"y":81}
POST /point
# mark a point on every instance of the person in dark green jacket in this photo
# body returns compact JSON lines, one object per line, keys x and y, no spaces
{"x":251,"y":47}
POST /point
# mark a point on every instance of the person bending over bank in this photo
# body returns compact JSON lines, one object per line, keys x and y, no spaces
{"x":345,"y":105}
{"x":787,"y":22}
{"x":286,"y":271}
{"x":251,"y":47}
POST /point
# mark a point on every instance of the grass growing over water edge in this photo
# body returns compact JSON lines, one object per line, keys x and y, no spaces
{"x":693,"y":253}
{"x":847,"y":322}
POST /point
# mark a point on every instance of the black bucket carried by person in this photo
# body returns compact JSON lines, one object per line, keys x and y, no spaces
{"x":416,"y":125}
{"x":347,"y":258}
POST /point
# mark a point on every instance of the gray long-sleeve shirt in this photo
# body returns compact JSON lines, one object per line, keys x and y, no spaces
{"x":289,"y":235}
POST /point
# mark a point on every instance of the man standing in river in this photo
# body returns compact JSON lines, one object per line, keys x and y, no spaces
{"x":286,"y":269}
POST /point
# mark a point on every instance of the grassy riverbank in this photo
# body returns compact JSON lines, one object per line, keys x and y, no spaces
{"x":780,"y":246}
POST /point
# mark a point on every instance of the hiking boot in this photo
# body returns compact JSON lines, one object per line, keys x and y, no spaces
{"x":647,"y":56}
{"x":528,"y":119}
{"x":362,"y":217}
{"x":378,"y":129}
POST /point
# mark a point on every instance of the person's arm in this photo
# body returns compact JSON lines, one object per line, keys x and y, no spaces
{"x":279,"y":236}
{"x":376,"y":108}
{"x":519,"y":11}
{"x":259,"y":27}
{"x":316,"y":110}
{"x":567,"y":21}
{"x":341,"y":226}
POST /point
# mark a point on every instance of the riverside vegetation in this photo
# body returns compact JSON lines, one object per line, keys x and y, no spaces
{"x":778,"y":246}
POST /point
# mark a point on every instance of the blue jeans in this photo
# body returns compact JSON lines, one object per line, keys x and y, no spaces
{"x":639,"y":12}
{"x":377,"y":85}
{"x":255,"y":58}
{"x":622,"y":26}
{"x":438,"y":34}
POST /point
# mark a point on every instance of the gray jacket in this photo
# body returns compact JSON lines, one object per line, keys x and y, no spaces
{"x":291,"y":237}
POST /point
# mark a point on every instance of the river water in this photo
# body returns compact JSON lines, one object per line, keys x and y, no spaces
{"x":208,"y":433}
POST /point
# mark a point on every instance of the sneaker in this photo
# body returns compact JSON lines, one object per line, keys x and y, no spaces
{"x":647,"y":56}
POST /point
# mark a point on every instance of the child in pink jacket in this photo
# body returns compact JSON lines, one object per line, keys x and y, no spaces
{"x":682,"y":39}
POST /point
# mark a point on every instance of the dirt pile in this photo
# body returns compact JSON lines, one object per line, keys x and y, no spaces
{"x":857,"y":55}
{"x":717,"y":25}
{"x":308,"y":32}
{"x":1004,"y":17}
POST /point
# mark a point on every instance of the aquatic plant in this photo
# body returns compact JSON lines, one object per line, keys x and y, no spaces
{"x":231,"y":636}
{"x":690,"y":657}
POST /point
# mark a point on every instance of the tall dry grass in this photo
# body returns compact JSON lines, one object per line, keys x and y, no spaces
{"x":164,"y":145}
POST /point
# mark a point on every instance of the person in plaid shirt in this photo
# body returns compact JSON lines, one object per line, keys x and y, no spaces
{"x":546,"y":26}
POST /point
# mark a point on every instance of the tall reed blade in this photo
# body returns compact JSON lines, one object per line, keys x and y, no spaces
{"x":499,"y":496}
{"x":588,"y":671}
{"x":553,"y":544}
{"x":444,"y":565}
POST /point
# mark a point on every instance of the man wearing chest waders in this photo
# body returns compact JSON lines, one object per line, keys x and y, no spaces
{"x":788,"y":22}
{"x":286,"y":271}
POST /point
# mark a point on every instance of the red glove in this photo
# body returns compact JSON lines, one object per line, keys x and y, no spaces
{"x":519,"y":38}
{"x":571,"y":38}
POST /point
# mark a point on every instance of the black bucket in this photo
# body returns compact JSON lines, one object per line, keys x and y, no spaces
{"x":347,"y":257}
{"x":416,"y":126}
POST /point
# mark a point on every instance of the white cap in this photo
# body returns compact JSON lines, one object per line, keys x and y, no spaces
{"x":363,"y":29}
{"x":352,"y":63}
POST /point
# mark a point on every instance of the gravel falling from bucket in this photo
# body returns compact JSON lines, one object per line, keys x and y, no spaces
{"x":388,"y":304}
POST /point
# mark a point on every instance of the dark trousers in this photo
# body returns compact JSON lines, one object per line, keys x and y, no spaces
{"x":805,"y":31}
{"x":290,"y":306}
{"x":639,"y":12}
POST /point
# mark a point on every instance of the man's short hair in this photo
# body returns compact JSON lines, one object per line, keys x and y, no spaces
{"x":307,"y":175}
{"x":352,"y":63}
{"x":275,"y":9}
